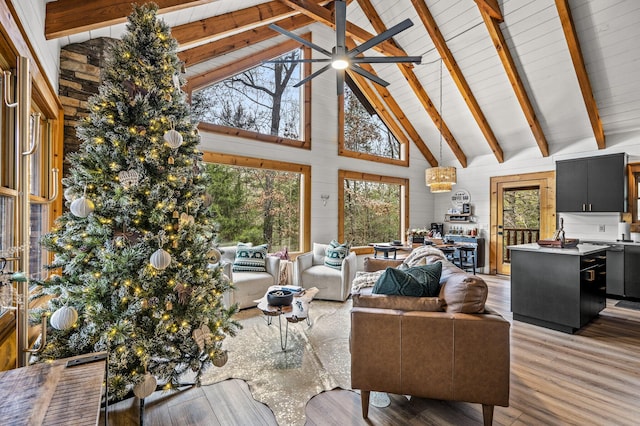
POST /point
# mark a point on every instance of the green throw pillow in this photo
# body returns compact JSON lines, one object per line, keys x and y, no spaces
{"x":418,"y":281}
{"x":395,"y":281}
{"x":335,"y":254}
{"x":428,"y":276}
{"x":250,"y":259}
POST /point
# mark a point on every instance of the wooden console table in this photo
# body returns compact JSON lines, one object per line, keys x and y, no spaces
{"x":67,"y":391}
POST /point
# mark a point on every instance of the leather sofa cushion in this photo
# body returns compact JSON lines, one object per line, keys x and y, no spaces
{"x":372,"y":264}
{"x":405,"y":303}
{"x":464,"y":293}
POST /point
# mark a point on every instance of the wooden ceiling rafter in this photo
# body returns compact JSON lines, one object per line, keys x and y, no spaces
{"x":320,"y":14}
{"x":491,"y":8}
{"x":68,"y":17}
{"x":204,"y":52}
{"x":493,"y":26}
{"x":455,"y":72}
{"x":215,"y":75}
{"x":234,"y":22}
{"x":564,"y":12}
{"x":420,"y":93}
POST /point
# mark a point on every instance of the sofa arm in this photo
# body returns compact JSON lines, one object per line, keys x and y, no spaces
{"x":272,"y":264}
{"x":227,"y":269}
{"x":302,"y":262}
{"x":349,"y":267}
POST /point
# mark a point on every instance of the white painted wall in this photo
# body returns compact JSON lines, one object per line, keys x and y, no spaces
{"x":32,"y":15}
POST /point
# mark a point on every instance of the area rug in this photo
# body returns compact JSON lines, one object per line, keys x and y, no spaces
{"x":316,"y":359}
{"x":628,"y":304}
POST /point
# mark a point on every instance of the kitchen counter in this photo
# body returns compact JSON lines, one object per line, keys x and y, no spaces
{"x":582,"y":249}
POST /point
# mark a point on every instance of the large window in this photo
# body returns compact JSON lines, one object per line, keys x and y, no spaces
{"x":373,"y":208}
{"x":255,"y":98}
{"x":259,"y":201}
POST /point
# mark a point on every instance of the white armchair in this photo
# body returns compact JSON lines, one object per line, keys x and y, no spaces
{"x":333,"y":284}
{"x":248,"y":286}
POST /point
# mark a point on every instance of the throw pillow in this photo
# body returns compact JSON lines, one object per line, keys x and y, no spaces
{"x":250,"y":259}
{"x":395,"y":281}
{"x":428,"y":276}
{"x":464,"y":293}
{"x":365,"y":279}
{"x":335,"y":254}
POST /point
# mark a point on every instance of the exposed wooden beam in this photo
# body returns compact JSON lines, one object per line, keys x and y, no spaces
{"x":446,"y":55}
{"x":491,"y":8}
{"x":399,"y":114}
{"x":67,"y":17}
{"x":203,"y":52}
{"x":420,"y":93}
{"x":220,"y":73}
{"x":514,"y":77}
{"x":309,"y":8}
{"x":581,"y":71}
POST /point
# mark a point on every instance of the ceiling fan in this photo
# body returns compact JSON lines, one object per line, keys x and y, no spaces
{"x":340,"y":58}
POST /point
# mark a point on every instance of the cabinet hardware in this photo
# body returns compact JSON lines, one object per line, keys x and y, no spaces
{"x":591,"y":275}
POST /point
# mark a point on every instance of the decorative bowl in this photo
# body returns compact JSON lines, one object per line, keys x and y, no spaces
{"x":279,"y":297}
{"x":396,"y":243}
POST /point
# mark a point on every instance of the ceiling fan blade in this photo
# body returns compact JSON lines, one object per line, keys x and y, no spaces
{"x":296,"y":61}
{"x":383,"y":36}
{"x":368,"y":75}
{"x":340,"y":81}
{"x":299,"y":39}
{"x":385,"y":59}
{"x":310,"y":76}
{"x":341,"y":26}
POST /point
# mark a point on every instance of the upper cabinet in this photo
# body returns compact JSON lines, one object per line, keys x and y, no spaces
{"x":594,"y":184}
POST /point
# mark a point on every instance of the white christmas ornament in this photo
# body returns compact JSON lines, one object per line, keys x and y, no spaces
{"x":146,"y":387}
{"x":129,"y":178}
{"x":82,"y":207}
{"x":173,"y":138}
{"x":160,"y":259}
{"x":64,"y":318}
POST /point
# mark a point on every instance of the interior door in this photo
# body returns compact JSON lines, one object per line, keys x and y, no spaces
{"x":513,"y":199}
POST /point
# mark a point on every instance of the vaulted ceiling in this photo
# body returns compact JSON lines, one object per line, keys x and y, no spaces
{"x":533,"y":76}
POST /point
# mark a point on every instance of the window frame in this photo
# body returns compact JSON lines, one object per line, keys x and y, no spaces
{"x":370,"y":177}
{"x":282,"y":166}
{"x":383,"y":115}
{"x":217,"y":75}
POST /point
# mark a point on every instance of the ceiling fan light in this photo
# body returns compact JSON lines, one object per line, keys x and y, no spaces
{"x":340,"y":63}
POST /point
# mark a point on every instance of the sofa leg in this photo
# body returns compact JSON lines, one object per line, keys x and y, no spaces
{"x":364,"y":399}
{"x":487,"y":414}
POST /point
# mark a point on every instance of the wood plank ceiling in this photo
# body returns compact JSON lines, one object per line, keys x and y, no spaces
{"x":516,"y":76}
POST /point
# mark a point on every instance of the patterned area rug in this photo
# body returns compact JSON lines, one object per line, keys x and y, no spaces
{"x":316,"y":359}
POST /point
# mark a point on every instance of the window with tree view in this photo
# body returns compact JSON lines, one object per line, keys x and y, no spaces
{"x":373,"y":210}
{"x":256,"y":205}
{"x":364,"y":131}
{"x":261,"y":99}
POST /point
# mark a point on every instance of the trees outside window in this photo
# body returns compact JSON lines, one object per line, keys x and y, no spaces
{"x":257,"y":205}
{"x":261,"y":99}
{"x":373,"y":209}
{"x":364,"y":131}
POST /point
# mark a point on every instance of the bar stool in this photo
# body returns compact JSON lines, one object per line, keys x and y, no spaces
{"x":467,"y":258}
{"x":449,"y":252}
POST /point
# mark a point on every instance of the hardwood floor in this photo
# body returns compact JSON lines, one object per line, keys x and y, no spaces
{"x":589,"y":378}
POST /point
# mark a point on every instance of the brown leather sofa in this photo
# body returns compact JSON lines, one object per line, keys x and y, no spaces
{"x":453,"y":349}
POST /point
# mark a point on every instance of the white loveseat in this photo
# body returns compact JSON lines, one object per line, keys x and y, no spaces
{"x":248,"y":286}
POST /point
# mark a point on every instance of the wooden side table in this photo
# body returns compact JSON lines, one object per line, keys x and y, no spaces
{"x":67,"y":391}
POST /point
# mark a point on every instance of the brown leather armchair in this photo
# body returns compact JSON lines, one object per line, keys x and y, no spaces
{"x":420,"y":347}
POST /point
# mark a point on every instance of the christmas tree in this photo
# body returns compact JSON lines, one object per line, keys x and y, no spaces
{"x":135,"y":247}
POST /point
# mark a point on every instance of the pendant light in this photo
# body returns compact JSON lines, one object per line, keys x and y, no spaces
{"x":440,"y":179}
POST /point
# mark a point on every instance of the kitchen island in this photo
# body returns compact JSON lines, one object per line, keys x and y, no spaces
{"x":558,"y":288}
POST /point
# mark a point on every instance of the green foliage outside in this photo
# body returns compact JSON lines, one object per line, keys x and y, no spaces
{"x":256,"y":205}
{"x":371,"y":212}
{"x":156,"y":321}
{"x":521,"y":209}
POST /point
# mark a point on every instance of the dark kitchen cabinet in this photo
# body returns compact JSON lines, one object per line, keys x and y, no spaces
{"x":594,"y":184}
{"x":632,"y":271}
